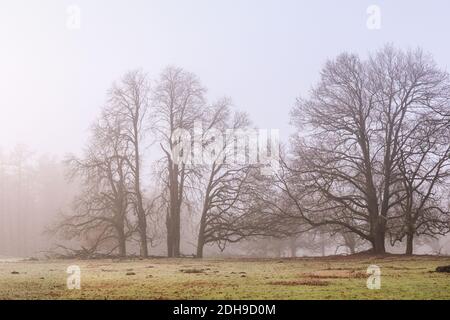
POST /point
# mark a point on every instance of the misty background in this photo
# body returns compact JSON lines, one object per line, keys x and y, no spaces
{"x":263,"y":54}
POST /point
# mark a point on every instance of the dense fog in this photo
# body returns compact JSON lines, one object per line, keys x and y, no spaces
{"x":34,"y":191}
{"x":222,"y":129}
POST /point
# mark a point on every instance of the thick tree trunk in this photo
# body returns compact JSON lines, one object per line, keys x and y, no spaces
{"x":409,"y":243}
{"x":379,"y":243}
{"x":142,"y":221}
{"x":173,"y":225}
{"x":201,"y":235}
{"x":173,"y":234}
{"x":200,"y":245}
{"x":176,"y":234}
{"x":377,"y":232}
{"x":410,"y":231}
{"x":142,"y":224}
{"x":121,"y":242}
{"x":122,"y":247}
{"x":143,"y":242}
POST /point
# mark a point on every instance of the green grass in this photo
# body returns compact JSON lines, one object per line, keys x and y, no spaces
{"x":302,"y":278}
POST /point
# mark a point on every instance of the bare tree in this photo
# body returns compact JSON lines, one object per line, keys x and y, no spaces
{"x":352,"y":129}
{"x":99,"y":218}
{"x":178,"y":101}
{"x":129,"y":103}
{"x":225,"y":184}
{"x":425,"y":168}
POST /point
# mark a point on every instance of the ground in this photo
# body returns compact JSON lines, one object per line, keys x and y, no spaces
{"x":301,"y":278}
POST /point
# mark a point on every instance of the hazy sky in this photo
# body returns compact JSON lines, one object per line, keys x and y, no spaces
{"x":262,"y":54}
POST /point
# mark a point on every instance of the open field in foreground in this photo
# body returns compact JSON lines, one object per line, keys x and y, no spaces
{"x":301,"y":278}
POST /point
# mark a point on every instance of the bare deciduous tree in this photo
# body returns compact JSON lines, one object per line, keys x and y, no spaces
{"x":129,"y":103}
{"x":224,"y":183}
{"x":178,"y":101}
{"x":352,"y":130}
{"x":425,"y":169}
{"x":100,"y":211}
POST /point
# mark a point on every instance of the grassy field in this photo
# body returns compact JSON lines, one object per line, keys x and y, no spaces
{"x":302,"y":278}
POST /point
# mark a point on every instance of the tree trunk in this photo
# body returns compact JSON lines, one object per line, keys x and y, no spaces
{"x":200,"y":245}
{"x":409,"y":243}
{"x":121,"y":241}
{"x":169,"y":235}
{"x":378,"y":233}
{"x":176,"y":234}
{"x":410,"y":232}
{"x":201,"y":235}
{"x":122,"y":247}
{"x":378,"y":243}
{"x":143,"y":242}
{"x":173,"y":227}
{"x":142,"y":219}
{"x":142,"y":225}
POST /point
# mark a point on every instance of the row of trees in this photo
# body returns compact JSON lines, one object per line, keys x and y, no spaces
{"x":112,"y":208}
{"x":373,"y":146}
{"x":370,"y":161}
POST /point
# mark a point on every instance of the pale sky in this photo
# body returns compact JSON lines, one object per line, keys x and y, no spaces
{"x":262,"y":54}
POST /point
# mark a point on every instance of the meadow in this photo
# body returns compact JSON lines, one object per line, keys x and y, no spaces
{"x":159,"y":278}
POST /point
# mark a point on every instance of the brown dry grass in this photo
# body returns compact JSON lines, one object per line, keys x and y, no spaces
{"x":302,"y":278}
{"x":304,"y":282}
{"x":335,"y":274}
